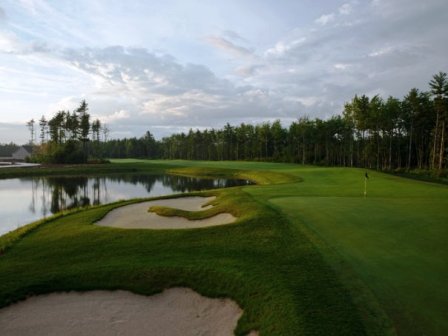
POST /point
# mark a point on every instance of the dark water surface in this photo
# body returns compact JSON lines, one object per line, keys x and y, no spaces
{"x":23,"y":200}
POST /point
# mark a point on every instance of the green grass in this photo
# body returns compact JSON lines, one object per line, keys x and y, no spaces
{"x":85,"y":169}
{"x":285,"y":287}
{"x":394,"y":240}
{"x":309,"y":255}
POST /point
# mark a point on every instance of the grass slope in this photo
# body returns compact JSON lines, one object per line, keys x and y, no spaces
{"x":308,"y":255}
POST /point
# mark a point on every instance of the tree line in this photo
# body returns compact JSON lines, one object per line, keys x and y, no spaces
{"x":373,"y":132}
{"x":68,"y":137}
{"x":379,"y":133}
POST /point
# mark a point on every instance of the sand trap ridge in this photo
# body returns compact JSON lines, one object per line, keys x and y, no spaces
{"x":175,"y":312}
{"x":136,"y":216}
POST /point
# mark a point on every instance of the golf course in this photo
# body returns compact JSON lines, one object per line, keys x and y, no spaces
{"x":308,"y":252}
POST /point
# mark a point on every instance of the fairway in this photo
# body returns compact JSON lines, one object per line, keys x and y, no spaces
{"x":308,"y":255}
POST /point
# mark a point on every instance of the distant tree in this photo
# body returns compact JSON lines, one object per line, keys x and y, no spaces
{"x":439,"y":89}
{"x":411,"y":106}
{"x":30,"y":125}
{"x":72,"y":125}
{"x":392,"y":113}
{"x":69,"y":136}
{"x":43,"y":129}
{"x":106,"y":132}
{"x":84,"y":123}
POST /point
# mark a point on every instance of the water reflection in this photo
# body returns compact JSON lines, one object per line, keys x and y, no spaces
{"x":31,"y":198}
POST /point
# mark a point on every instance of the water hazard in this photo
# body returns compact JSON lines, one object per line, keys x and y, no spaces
{"x":23,"y":200}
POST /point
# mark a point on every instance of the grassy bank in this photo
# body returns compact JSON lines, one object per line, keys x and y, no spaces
{"x":309,"y":255}
{"x":85,"y":169}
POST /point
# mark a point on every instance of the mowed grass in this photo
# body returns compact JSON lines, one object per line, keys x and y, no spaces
{"x":394,"y":239}
{"x":309,"y":254}
{"x":272,"y":270}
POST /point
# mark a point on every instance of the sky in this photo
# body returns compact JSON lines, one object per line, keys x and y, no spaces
{"x":168,"y":66}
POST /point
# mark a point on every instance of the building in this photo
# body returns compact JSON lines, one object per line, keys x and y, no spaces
{"x":22,"y":153}
{"x":15,"y":154}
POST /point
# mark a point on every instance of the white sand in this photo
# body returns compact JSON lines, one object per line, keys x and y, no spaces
{"x":175,"y":312}
{"x":136,"y":216}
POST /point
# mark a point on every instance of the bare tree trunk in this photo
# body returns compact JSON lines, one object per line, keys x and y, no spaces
{"x":399,"y":150}
{"x":410,"y":149}
{"x":359,"y":152}
{"x":351,"y":152}
{"x":433,"y":154}
{"x":390,"y":151}
{"x":237,"y":150}
{"x":266,"y":146}
{"x":377,"y":150}
{"x":303,"y":151}
{"x":442,"y":147}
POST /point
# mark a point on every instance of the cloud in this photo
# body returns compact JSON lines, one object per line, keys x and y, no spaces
{"x":248,"y":70}
{"x":48,"y":21}
{"x":341,"y":66}
{"x":230,"y":34}
{"x":14,"y":131}
{"x":9,"y":42}
{"x":134,"y":87}
{"x":2,"y":15}
{"x":345,"y":9}
{"x":136,"y":71}
{"x":229,"y":47}
{"x":365,"y":51}
{"x":325,"y":19}
{"x":116,"y":116}
{"x":372,"y":47}
{"x":282,"y":47}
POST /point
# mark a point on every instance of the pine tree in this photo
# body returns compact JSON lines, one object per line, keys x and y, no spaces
{"x":439,"y":89}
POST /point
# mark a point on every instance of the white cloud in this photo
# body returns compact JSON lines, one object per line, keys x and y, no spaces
{"x":325,"y":19}
{"x":229,"y":47}
{"x":114,"y":117}
{"x":9,"y":43}
{"x":381,"y":52}
{"x":341,"y":66}
{"x":345,"y":9}
{"x":282,"y":47}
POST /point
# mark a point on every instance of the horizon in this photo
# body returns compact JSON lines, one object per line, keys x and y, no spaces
{"x":173,"y":66}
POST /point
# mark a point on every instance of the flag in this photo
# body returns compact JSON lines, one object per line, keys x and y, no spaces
{"x":366,"y":176}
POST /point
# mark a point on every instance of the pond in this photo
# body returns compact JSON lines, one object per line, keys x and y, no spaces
{"x":23,"y":200}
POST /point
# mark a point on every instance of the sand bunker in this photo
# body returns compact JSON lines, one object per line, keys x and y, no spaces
{"x":136,"y":216}
{"x":175,"y":312}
